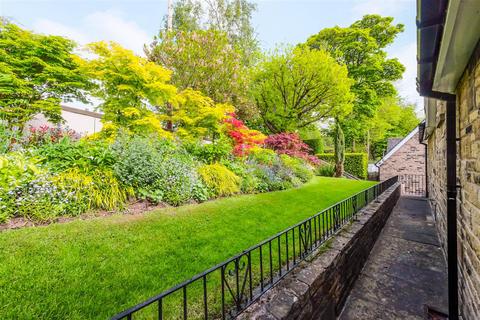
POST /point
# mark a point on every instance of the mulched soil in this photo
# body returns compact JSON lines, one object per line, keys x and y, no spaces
{"x":134,"y":208}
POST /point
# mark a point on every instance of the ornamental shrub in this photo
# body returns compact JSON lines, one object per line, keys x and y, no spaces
{"x":290,"y":144}
{"x":249,"y":182}
{"x":300,"y":168}
{"x":326,"y":170}
{"x":9,"y":139}
{"x":211,"y":152}
{"x":45,"y":134}
{"x":287,"y":176}
{"x":316,"y":145}
{"x":244,"y":139}
{"x":268,"y":179}
{"x":355,"y":163}
{"x":200,"y":192}
{"x":264,"y":156}
{"x":178,"y":178}
{"x":157,"y":170}
{"x":87,"y":156}
{"x":138,"y":163}
{"x":16,"y":171}
{"x":220,"y":180}
{"x":39,"y":199}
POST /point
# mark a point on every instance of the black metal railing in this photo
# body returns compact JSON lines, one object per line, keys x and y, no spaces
{"x":413,"y":184}
{"x":225,"y":290}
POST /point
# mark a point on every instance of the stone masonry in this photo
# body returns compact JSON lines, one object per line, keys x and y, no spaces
{"x":468,"y":173}
{"x":318,"y":288}
{"x":408,"y":160}
{"x":406,"y":270}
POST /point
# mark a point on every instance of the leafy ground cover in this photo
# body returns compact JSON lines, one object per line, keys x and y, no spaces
{"x":93,"y":269}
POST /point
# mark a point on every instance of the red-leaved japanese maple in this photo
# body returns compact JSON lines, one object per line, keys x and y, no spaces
{"x":291,"y":144}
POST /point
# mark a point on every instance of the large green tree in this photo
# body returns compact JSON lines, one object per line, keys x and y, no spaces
{"x":361,"y":48}
{"x":394,"y":119}
{"x":204,"y":60}
{"x":210,"y":48}
{"x":232,"y":17}
{"x":37,"y":72}
{"x":295,"y":88}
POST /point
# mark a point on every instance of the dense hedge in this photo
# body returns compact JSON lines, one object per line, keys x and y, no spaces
{"x":315,"y":144}
{"x":355,"y":163}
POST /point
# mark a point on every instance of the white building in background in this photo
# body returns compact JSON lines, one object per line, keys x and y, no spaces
{"x":82,"y":121}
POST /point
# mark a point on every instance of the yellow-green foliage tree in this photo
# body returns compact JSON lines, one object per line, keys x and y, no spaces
{"x":195,"y":115}
{"x":298,"y":87}
{"x":138,"y":97}
{"x":131,"y":88}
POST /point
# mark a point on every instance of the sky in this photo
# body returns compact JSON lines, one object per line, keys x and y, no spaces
{"x":133,"y":23}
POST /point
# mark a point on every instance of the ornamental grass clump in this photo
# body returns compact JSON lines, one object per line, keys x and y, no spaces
{"x":326,"y":170}
{"x":108,"y":193}
{"x":220,"y":180}
{"x":79,"y":190}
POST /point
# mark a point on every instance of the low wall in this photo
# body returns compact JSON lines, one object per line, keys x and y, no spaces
{"x":318,"y":288}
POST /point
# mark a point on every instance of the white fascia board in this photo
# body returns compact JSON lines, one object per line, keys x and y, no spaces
{"x":460,"y":36}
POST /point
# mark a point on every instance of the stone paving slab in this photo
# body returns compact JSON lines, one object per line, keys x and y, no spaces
{"x":405,"y":271}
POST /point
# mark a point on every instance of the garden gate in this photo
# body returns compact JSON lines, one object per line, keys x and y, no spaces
{"x":413,"y":185}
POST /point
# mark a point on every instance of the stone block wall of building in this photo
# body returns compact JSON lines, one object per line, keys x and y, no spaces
{"x":408,"y":160}
{"x":468,"y":175}
{"x":437,"y":175}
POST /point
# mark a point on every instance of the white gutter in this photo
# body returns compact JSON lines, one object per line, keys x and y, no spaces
{"x":460,"y":36}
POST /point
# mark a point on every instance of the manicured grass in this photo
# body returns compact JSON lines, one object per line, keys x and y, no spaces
{"x":96,"y":268}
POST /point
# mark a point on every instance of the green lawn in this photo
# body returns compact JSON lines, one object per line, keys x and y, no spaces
{"x":96,"y":268}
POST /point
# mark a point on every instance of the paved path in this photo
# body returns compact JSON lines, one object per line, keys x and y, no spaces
{"x":406,"y":269}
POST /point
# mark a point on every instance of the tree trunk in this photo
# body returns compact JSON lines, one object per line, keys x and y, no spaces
{"x":368,"y":145}
{"x":339,"y":149}
{"x":169,"y":113}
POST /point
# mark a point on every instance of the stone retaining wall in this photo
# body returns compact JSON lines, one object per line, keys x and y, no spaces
{"x":318,"y":288}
